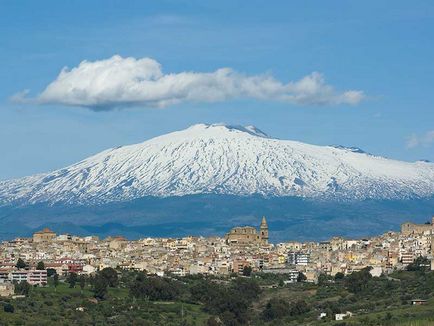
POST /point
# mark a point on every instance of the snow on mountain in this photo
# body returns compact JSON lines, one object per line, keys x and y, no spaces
{"x":224,"y":159}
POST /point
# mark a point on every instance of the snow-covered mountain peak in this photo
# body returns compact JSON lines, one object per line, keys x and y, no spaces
{"x":224,"y":130}
{"x":351,"y":148}
{"x":205,"y":132}
{"x":224,"y":159}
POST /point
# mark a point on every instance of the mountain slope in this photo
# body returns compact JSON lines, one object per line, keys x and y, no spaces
{"x":224,"y":159}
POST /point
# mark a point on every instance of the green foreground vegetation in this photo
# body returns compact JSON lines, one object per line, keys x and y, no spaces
{"x":133,"y":298}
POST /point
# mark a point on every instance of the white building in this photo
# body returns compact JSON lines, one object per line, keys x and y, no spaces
{"x":33,"y":276}
{"x":348,"y":314}
{"x":298,"y":258}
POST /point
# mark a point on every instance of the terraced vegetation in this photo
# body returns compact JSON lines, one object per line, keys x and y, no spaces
{"x":133,"y":298}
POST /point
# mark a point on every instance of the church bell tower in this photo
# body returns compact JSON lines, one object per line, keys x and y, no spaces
{"x":263,"y":229}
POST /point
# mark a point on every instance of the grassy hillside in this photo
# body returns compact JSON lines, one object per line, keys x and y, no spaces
{"x":132,"y":298}
{"x":49,"y":306}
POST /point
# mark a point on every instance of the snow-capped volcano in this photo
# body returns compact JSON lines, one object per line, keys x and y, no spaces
{"x":223,"y":159}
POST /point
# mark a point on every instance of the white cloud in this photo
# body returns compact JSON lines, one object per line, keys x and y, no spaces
{"x":426,"y":140}
{"x":120,"y":82}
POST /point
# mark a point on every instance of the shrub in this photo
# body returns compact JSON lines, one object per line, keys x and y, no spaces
{"x":275,"y":308}
{"x":8,"y":308}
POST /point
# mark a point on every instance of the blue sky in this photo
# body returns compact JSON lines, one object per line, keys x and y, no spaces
{"x":382,"y":48}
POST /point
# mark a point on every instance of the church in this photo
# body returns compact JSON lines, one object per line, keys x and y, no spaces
{"x":248,"y":235}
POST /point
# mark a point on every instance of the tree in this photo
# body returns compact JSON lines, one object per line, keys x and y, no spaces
{"x":40,"y":266}
{"x":356,"y":282}
{"x":155,"y":288}
{"x":229,"y":318}
{"x":339,"y":276}
{"x":246,"y":288}
{"x":72,"y":279}
{"x":99,"y":287}
{"x":229,"y":303}
{"x":55,"y":281}
{"x":301,"y":277}
{"x":275,"y":308}
{"x":82,"y":282}
{"x":8,"y":308}
{"x":322,"y":279}
{"x":51,"y":272}
{"x":247,"y":271}
{"x":22,"y":288}
{"x":110,"y":276}
{"x":299,"y":307}
{"x":421,"y":264}
{"x":205,"y":292}
{"x":20,"y":264}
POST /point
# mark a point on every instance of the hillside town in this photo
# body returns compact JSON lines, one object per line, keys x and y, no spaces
{"x":241,"y":248}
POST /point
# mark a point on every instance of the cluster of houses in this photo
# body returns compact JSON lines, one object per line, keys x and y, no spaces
{"x":241,"y":247}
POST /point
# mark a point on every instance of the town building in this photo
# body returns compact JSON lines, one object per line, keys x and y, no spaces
{"x":247,"y":235}
{"x":263,"y":229}
{"x":298,"y":258}
{"x":241,"y":247}
{"x":293,"y":276}
{"x":45,"y":235}
{"x":407,"y":258}
{"x":408,"y":228}
{"x":33,"y":276}
{"x":6,"y":289}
